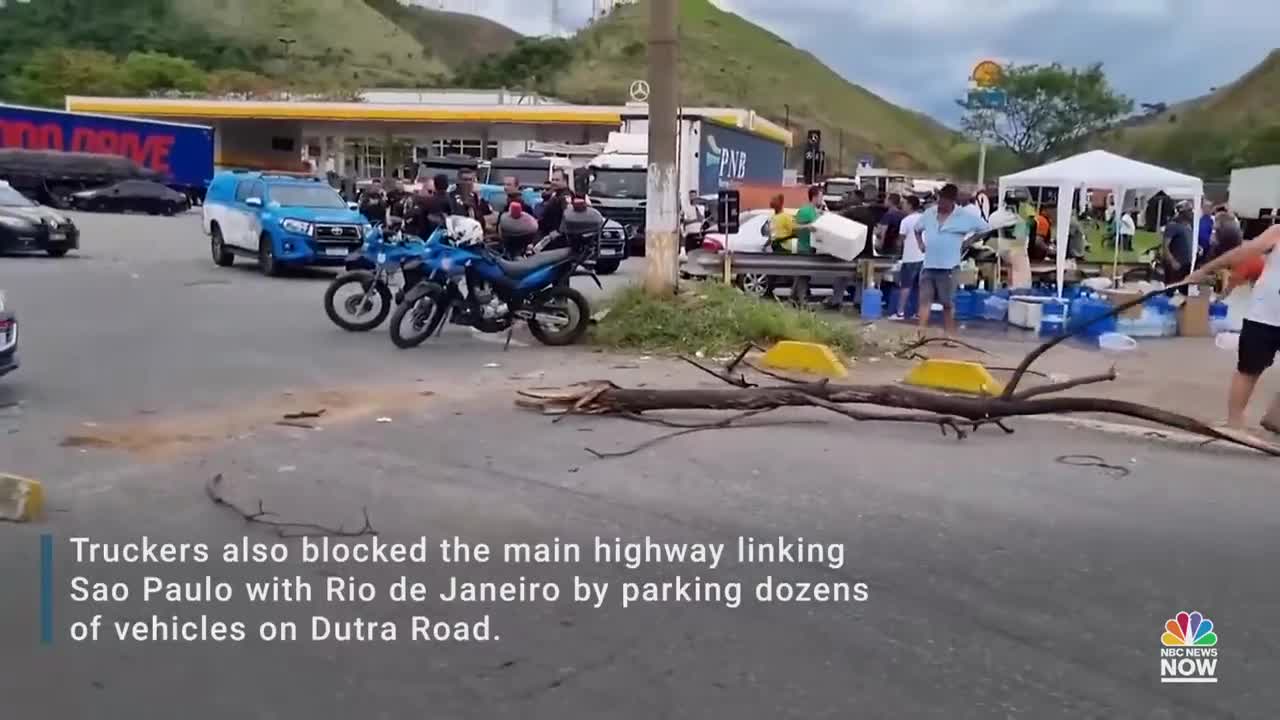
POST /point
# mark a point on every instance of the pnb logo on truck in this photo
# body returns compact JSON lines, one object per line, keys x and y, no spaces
{"x":1190,"y":653}
{"x":733,"y":163}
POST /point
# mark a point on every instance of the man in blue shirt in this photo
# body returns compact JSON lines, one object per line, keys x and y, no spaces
{"x":1204,"y":233}
{"x":940,"y":234}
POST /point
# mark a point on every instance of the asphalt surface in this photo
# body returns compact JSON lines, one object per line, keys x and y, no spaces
{"x":1000,"y":583}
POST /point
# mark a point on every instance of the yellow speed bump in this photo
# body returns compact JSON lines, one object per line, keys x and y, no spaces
{"x":954,"y":376}
{"x":808,"y":357}
{"x":21,"y":499}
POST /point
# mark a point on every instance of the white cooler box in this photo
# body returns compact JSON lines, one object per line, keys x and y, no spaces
{"x":1025,"y":310}
{"x":839,"y":236}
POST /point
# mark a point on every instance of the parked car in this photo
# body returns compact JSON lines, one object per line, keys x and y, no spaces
{"x":753,"y":237}
{"x":137,"y":195}
{"x":280,"y":220}
{"x":8,"y":339}
{"x":25,"y":225}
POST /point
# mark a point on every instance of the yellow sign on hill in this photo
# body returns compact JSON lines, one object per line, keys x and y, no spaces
{"x":987,"y":73}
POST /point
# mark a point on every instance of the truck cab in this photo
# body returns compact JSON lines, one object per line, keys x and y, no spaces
{"x":530,"y":170}
{"x":617,"y":184}
{"x":280,"y":220}
{"x":1255,"y":198}
{"x":834,"y":191}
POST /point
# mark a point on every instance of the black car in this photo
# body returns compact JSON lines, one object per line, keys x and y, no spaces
{"x":138,"y":195}
{"x":24,"y":225}
{"x":8,"y":339}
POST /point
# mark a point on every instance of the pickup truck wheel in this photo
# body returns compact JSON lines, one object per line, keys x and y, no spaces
{"x":221,"y":255}
{"x":57,"y":251}
{"x":607,"y":267}
{"x":267,"y":264}
{"x":757,"y":284}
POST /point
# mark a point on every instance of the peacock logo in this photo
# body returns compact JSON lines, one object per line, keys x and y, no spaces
{"x":1189,"y":629}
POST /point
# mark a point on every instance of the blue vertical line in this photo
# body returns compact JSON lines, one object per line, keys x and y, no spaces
{"x":46,"y":589}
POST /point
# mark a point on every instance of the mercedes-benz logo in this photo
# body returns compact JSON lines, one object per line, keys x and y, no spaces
{"x":640,"y":90}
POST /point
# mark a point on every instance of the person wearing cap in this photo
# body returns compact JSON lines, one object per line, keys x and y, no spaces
{"x":941,"y":233}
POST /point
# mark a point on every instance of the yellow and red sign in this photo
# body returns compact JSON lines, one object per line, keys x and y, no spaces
{"x":987,"y":73}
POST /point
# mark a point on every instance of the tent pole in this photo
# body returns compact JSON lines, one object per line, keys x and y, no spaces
{"x":1116,"y":280}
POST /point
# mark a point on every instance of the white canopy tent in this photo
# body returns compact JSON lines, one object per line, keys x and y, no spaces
{"x":1099,"y":169}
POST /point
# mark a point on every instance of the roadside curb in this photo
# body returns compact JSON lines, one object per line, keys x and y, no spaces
{"x":1145,"y":432}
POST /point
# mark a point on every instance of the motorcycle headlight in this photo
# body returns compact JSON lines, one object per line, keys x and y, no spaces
{"x":296,"y":226}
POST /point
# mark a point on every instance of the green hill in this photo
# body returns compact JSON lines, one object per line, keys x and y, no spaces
{"x":1236,"y":125}
{"x":447,"y":34}
{"x":347,"y":37}
{"x":727,"y":61}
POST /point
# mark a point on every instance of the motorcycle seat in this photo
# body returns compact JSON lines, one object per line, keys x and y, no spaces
{"x":524,"y":266}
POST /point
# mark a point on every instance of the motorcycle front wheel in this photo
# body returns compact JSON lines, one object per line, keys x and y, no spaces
{"x":413,"y":322}
{"x":561,"y":317}
{"x":366,"y":301}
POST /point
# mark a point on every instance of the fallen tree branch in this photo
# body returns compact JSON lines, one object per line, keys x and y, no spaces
{"x":262,"y":516}
{"x":1066,"y":385}
{"x":985,"y":409}
{"x":906,"y":351}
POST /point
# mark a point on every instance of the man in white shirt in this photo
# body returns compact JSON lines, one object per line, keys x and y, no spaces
{"x":912,"y":256}
{"x":1260,"y":335}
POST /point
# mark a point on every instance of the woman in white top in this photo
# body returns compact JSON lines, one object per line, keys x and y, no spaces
{"x":1260,"y":335}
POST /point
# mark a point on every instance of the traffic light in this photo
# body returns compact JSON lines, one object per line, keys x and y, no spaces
{"x":814,"y":158}
{"x":728,"y":208}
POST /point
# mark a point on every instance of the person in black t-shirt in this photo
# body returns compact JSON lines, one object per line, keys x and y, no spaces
{"x":887,"y":230}
{"x":466,"y":201}
{"x":554,"y":207}
{"x":430,"y":208}
{"x":373,"y":203}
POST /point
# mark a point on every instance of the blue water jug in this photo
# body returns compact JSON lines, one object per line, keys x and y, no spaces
{"x":980,"y":298}
{"x":872,"y":300}
{"x":1218,"y":310}
{"x":1053,"y":317}
{"x":996,"y":308}
{"x":963,"y":301}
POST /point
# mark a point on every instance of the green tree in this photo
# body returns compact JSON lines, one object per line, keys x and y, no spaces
{"x":1049,"y":111}
{"x":146,"y":72}
{"x":53,"y":73}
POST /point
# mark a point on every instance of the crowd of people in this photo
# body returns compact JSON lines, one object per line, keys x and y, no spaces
{"x":514,"y":228}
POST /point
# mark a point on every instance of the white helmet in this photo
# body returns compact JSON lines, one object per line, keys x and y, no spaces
{"x":465,"y":231}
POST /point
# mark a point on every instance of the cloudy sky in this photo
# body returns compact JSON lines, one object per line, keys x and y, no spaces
{"x":918,"y":53}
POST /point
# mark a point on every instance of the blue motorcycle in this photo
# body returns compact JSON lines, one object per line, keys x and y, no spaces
{"x":375,"y":278}
{"x":498,"y":292}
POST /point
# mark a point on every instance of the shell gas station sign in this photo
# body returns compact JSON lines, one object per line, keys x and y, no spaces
{"x":984,"y":90}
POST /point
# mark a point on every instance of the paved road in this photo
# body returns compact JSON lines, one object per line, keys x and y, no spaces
{"x":1000,"y":583}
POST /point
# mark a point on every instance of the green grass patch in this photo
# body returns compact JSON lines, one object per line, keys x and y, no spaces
{"x":1102,"y":246}
{"x":714,"y":319}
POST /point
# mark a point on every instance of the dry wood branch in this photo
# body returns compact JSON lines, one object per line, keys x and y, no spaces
{"x":1066,"y":385}
{"x":724,"y":375}
{"x":907,"y":352}
{"x":975,"y":409}
{"x":262,"y":516}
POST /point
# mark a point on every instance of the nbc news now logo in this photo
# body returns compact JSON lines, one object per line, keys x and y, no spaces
{"x":1190,"y":652}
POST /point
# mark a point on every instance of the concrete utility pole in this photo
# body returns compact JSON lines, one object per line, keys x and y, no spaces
{"x":662,"y":215}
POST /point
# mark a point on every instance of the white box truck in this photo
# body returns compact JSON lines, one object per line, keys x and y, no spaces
{"x":710,"y":156}
{"x":1254,"y":195}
